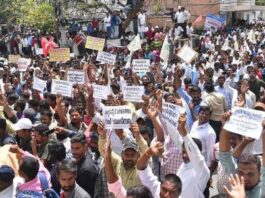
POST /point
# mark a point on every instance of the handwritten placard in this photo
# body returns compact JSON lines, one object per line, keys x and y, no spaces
{"x":39,"y":51}
{"x":246,"y":122}
{"x":106,"y":58}
{"x":13,"y":58}
{"x":187,"y":54}
{"x":117,"y":117}
{"x":141,"y":66}
{"x":101,"y":91}
{"x":95,"y":43}
{"x":39,"y":84}
{"x":59,"y":54}
{"x":133,"y":93}
{"x":61,"y":87}
{"x":23,"y":64}
{"x":76,"y":76}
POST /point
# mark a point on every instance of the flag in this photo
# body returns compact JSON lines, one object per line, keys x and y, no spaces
{"x":165,"y":50}
{"x":197,"y":20}
{"x":135,"y":44}
{"x":47,"y":45}
{"x":226,"y":45}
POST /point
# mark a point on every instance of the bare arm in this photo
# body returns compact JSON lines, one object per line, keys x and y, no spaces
{"x":241,"y":146}
{"x":152,"y":113}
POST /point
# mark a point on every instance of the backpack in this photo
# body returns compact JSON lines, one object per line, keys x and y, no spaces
{"x":46,"y":191}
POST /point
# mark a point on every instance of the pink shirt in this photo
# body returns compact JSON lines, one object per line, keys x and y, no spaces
{"x":35,"y":184}
{"x":117,"y":189}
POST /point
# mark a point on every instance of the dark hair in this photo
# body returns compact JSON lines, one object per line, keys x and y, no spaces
{"x":187,"y":80}
{"x":79,"y":138}
{"x":56,"y":151}
{"x":249,"y":159}
{"x":21,"y":104}
{"x":3,"y":124}
{"x":75,"y":109}
{"x":205,"y":108}
{"x":197,"y":142}
{"x":140,"y":191}
{"x":209,"y":87}
{"x":41,"y":128}
{"x":174,"y":179}
{"x":30,"y":167}
{"x":43,"y":104}
{"x":47,"y":112}
{"x":33,"y":103}
{"x":195,"y":88}
{"x":68,"y":166}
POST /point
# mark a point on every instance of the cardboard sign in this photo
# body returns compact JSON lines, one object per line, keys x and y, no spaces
{"x":62,"y":87}
{"x":106,"y":58}
{"x":246,"y":122}
{"x":187,"y":54}
{"x":171,"y":113}
{"x":95,"y":43}
{"x":141,"y":66}
{"x":59,"y":54}
{"x":39,"y":51}
{"x":133,"y":93}
{"x":101,"y":91}
{"x":76,"y":76}
{"x":117,"y":117}
{"x":135,"y":44}
{"x":13,"y":58}
{"x":165,"y":50}
{"x":23,"y":64}
{"x":39,"y":84}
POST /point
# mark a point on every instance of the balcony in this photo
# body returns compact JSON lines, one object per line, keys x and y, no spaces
{"x":260,"y":2}
{"x":242,"y":5}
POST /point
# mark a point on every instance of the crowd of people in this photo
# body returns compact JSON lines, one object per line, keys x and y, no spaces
{"x":57,"y":146}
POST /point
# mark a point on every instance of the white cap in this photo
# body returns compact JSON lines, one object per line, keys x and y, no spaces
{"x":23,"y":123}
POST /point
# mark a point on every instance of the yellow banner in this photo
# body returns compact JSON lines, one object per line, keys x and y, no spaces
{"x":95,"y":43}
{"x":13,"y":58}
{"x":59,"y":54}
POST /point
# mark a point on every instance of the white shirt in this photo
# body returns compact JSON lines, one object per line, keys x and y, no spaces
{"x":206,"y":134}
{"x":182,"y":17}
{"x":141,"y":19}
{"x":107,"y":21}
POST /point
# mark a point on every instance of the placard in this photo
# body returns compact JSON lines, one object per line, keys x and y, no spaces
{"x":135,"y":44}
{"x":95,"y":43}
{"x":39,"y":51}
{"x":171,"y":113}
{"x":23,"y":64}
{"x":62,"y":87}
{"x":141,"y":66}
{"x":101,"y":91}
{"x":106,"y":58}
{"x":59,"y":54}
{"x":117,"y":117}
{"x":76,"y":76}
{"x":187,"y":54}
{"x":246,"y":122}
{"x":39,"y":84}
{"x":165,"y":50}
{"x":133,"y":93}
{"x":13,"y":58}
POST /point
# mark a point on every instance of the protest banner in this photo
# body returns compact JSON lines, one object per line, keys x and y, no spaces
{"x":13,"y":58}
{"x":106,"y":58}
{"x":165,"y":50}
{"x":117,"y":117}
{"x":141,"y":66}
{"x":135,"y":44}
{"x":187,"y":54}
{"x":246,"y":122}
{"x":133,"y":93}
{"x":61,"y":87}
{"x":101,"y":91}
{"x":95,"y":43}
{"x":59,"y":54}
{"x":39,"y":51}
{"x":76,"y":76}
{"x":39,"y":84}
{"x":213,"y":21}
{"x":171,"y":113}
{"x":23,"y":64}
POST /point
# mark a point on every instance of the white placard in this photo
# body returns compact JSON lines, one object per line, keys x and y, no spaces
{"x":2,"y":85}
{"x":76,"y":76}
{"x":101,"y":91}
{"x":23,"y":64}
{"x":171,"y":113}
{"x":133,"y":93}
{"x":135,"y":44}
{"x":246,"y":122}
{"x":62,"y":87}
{"x":141,"y":66}
{"x":39,"y":84}
{"x":106,"y":58}
{"x":39,"y":51}
{"x":187,"y":54}
{"x":117,"y":117}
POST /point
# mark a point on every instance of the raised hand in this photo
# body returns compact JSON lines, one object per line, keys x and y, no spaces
{"x":226,"y":116}
{"x":101,"y":130}
{"x":237,"y":187}
{"x":241,"y":101}
{"x":136,"y":131}
{"x":152,"y":112}
{"x":155,"y":150}
{"x":182,"y":125}
{"x":59,"y":99}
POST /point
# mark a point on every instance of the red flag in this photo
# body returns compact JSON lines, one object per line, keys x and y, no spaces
{"x":198,"y":20}
{"x":47,"y":45}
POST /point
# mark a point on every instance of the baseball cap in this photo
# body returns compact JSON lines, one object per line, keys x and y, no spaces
{"x":7,"y":174}
{"x":23,"y":123}
{"x":130,"y":144}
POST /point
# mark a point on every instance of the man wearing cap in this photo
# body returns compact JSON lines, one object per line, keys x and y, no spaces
{"x":23,"y":129}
